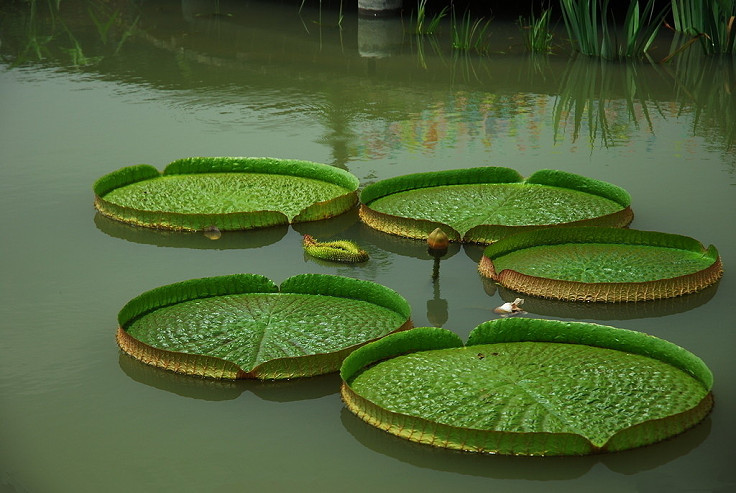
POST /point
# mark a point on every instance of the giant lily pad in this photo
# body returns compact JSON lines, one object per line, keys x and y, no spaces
{"x":244,"y":326}
{"x":528,"y":387}
{"x":482,"y":205}
{"x":601,"y":264}
{"x":225,"y":192}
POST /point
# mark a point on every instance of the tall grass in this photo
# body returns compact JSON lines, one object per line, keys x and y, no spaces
{"x":686,"y":15}
{"x":536,"y":33}
{"x":712,"y":22}
{"x":594,"y":31}
{"x":425,"y":24}
{"x":469,"y":34}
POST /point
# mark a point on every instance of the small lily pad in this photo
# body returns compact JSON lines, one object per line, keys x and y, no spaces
{"x":244,"y":326}
{"x":345,"y":251}
{"x":528,"y":387}
{"x":482,"y":205}
{"x":601,"y":264}
{"x":225,"y":192}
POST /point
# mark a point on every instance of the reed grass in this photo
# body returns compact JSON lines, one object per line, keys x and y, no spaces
{"x":594,"y":31}
{"x":686,"y":15}
{"x":427,"y":25}
{"x":712,"y":22}
{"x":469,"y":34}
{"x":536,"y":32}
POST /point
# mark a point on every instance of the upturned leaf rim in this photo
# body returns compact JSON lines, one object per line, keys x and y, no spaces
{"x":605,"y":292}
{"x":281,"y":368}
{"x":486,"y":233}
{"x":244,"y":220}
{"x":510,"y":330}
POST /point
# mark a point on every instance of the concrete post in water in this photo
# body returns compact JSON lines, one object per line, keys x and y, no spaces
{"x":379,"y":37}
{"x":379,"y":8}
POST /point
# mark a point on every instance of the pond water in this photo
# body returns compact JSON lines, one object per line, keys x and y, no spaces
{"x":168,"y":79}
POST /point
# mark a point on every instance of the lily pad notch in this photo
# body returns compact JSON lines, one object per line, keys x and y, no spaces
{"x":482,"y":205}
{"x":528,"y":387}
{"x":229,"y":193}
{"x":592,"y":264}
{"x":245,"y":326}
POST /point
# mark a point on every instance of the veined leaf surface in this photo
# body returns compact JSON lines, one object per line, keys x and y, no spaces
{"x":224,"y":193}
{"x":244,"y":326}
{"x":531,"y":387}
{"x":250,"y":329}
{"x":528,"y":387}
{"x":590,"y":262}
{"x":482,"y":205}
{"x":229,"y":193}
{"x":465,"y":206}
{"x":601,"y":264}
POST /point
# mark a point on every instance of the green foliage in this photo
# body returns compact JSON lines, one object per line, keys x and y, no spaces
{"x":711,"y":21}
{"x":424,"y":24}
{"x":630,"y":341}
{"x":191,"y":290}
{"x":409,"y":341}
{"x":465,"y":207}
{"x":347,"y":287}
{"x":528,"y":387}
{"x":603,"y":263}
{"x":204,"y":326}
{"x":595,"y":264}
{"x":229,"y":193}
{"x":484,"y":204}
{"x":488,"y":174}
{"x":595,"y":34}
{"x":564,"y":179}
{"x":536,"y":32}
{"x":124,"y":176}
{"x":581,"y":235}
{"x":469,"y":33}
{"x":335,"y":251}
{"x":291,"y":167}
{"x":687,"y":14}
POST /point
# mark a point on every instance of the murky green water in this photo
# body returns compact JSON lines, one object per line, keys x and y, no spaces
{"x":79,"y":100}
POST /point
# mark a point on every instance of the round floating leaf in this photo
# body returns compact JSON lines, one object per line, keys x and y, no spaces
{"x":484,"y":204}
{"x":528,"y":387}
{"x":225,"y":192}
{"x":243,"y":326}
{"x":601,"y":264}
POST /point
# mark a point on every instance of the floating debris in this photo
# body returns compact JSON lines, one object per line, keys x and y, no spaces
{"x":212,"y":232}
{"x":510,"y":307}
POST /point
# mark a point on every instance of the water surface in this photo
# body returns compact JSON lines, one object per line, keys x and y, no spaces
{"x":170,"y":80}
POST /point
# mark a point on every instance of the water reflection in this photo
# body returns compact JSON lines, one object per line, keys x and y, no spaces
{"x":529,"y":468}
{"x":227,"y":240}
{"x":576,"y":98}
{"x":185,"y":239}
{"x":603,"y":311}
{"x":406,"y":247}
{"x":298,"y":389}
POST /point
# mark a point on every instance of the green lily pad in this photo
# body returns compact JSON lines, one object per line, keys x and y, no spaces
{"x":225,"y":192}
{"x":244,"y":326}
{"x":482,"y":205}
{"x":601,"y":264}
{"x":528,"y":387}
